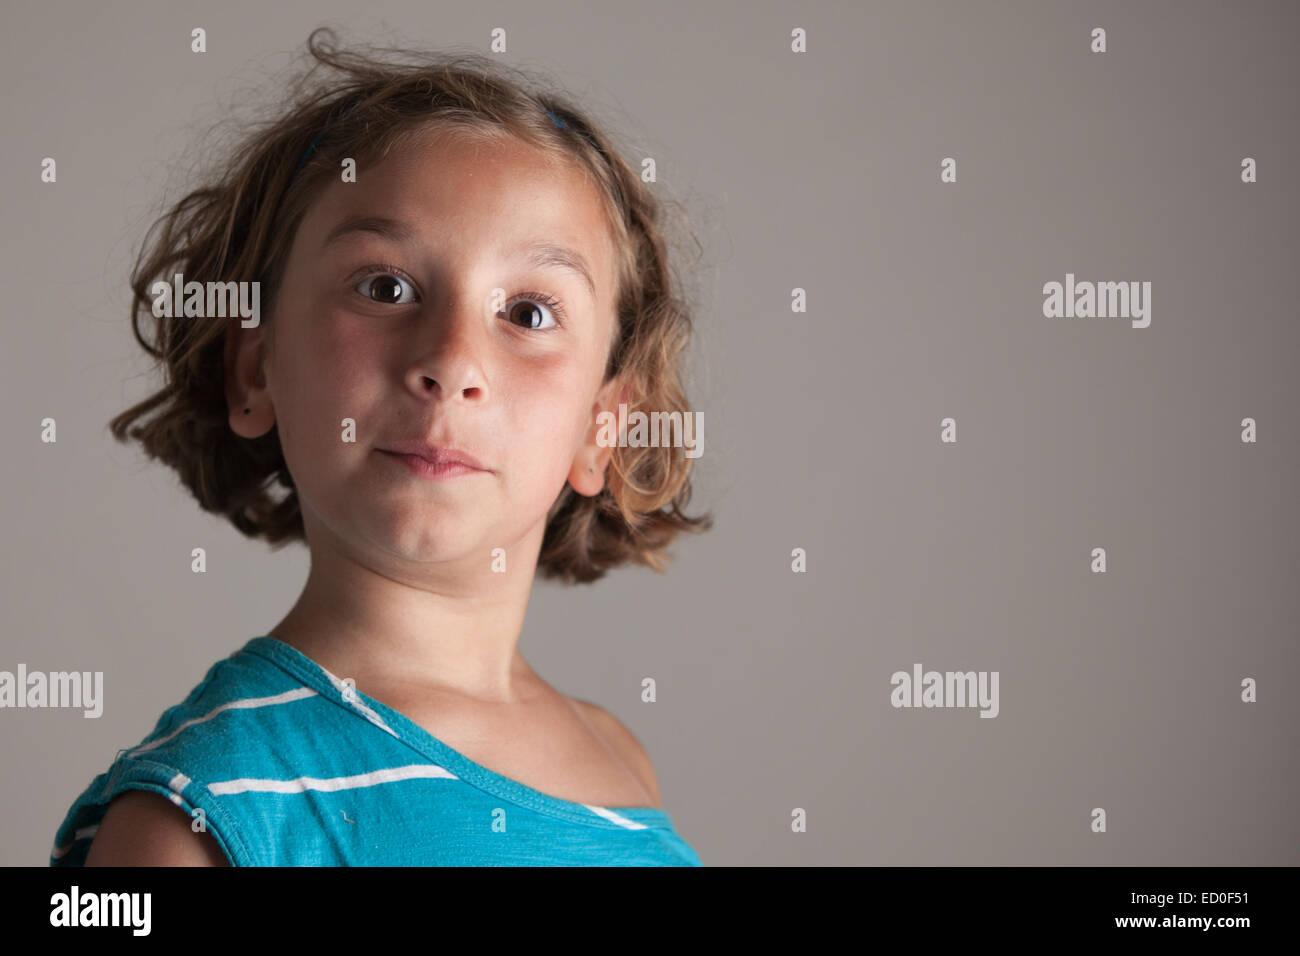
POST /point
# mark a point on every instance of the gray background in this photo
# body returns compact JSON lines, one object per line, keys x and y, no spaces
{"x":1118,"y":690}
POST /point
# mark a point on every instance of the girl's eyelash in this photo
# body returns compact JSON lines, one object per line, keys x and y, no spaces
{"x":550,"y":301}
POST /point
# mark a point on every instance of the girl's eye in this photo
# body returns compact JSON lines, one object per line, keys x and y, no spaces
{"x":524,"y":311}
{"x":531,"y":311}
{"x":386,"y":289}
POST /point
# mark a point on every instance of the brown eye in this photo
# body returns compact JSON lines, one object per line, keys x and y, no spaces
{"x":533,"y":313}
{"x":386,"y":289}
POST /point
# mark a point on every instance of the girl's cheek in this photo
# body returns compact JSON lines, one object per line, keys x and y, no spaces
{"x":350,"y":367}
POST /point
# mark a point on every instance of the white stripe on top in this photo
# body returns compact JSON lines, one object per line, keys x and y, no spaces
{"x":82,"y":834}
{"x":357,"y":781}
{"x":244,"y":703}
{"x":613,"y":817}
{"x":302,"y":784}
{"x":349,"y":694}
{"x":177,"y":785}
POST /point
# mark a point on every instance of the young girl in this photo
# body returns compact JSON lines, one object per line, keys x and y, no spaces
{"x":457,"y":276}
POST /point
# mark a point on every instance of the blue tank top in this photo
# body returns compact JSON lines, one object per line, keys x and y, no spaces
{"x":290,"y":766}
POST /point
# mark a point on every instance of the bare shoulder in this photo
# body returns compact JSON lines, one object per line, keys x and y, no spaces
{"x":625,"y":744}
{"x":143,"y":828}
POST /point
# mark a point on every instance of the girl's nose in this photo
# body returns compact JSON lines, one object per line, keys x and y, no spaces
{"x":452,"y":342}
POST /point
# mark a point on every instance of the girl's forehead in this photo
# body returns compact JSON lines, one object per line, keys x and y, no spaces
{"x":506,"y":192}
{"x":505,"y":161}
{"x":442,"y":168}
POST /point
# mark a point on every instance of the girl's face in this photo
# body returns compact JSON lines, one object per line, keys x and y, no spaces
{"x":413,"y":306}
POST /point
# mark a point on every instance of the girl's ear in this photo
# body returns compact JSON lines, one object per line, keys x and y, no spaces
{"x":588,"y":473}
{"x":247,"y":398}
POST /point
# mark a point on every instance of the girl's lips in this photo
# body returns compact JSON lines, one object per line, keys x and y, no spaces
{"x":428,"y":469}
{"x":434,"y":454}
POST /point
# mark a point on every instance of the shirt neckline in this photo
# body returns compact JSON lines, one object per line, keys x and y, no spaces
{"x":328,"y":685}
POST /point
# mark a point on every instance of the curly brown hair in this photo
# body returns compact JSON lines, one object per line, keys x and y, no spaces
{"x":241,"y":225}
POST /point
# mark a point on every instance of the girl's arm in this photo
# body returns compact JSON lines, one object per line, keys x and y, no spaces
{"x":142,"y":828}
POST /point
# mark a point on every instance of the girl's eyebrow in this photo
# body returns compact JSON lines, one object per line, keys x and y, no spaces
{"x":542,"y":254}
{"x":393,"y":229}
{"x":539,"y":253}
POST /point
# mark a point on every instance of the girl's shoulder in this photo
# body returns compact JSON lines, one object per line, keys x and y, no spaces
{"x":240,"y":691}
{"x":244,"y":716}
{"x":622,"y":741}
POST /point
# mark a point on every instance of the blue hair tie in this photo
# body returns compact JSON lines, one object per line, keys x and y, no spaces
{"x":559,"y":123}
{"x":312,"y":148}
